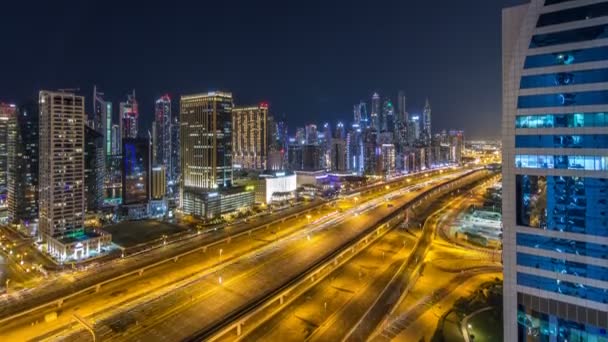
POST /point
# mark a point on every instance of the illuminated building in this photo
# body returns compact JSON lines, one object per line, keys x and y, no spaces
{"x":276,"y":187}
{"x":8,"y":113}
{"x":360,"y":114}
{"x":426,"y":123}
{"x":206,"y":147}
{"x":136,"y":172}
{"x":23,"y":168}
{"x":116,"y":140}
{"x":375,"y":112}
{"x":173,"y":183}
{"x":388,"y":116}
{"x":129,"y":116}
{"x":312,"y":135}
{"x":159,"y":182}
{"x":555,"y":171}
{"x":62,"y":142}
{"x":388,"y":158}
{"x":94,"y":172}
{"x":162,"y":129}
{"x":250,"y":137}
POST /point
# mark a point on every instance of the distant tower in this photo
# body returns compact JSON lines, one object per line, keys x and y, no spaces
{"x":426,"y":122}
{"x":162,"y":134}
{"x":388,"y":116}
{"x":129,"y":115}
{"x":375,"y":112}
{"x":402,"y":107}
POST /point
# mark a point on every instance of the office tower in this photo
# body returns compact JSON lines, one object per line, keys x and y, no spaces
{"x":426,"y":123}
{"x":357,"y":114}
{"x":456,"y":143}
{"x":250,"y":136}
{"x":94,"y":172}
{"x":413,"y":132}
{"x":300,"y":135}
{"x":312,"y":135}
{"x":129,"y":116}
{"x":555,"y":171}
{"x":338,"y":150}
{"x":402,"y":107}
{"x":325,"y":142}
{"x":159,"y":182}
{"x":116,"y":140}
{"x":388,"y":158}
{"x":8,"y":113}
{"x":62,"y":122}
{"x":23,"y":167}
{"x":371,"y":151}
{"x":312,"y":155}
{"x":388,"y":116}
{"x":354,"y":150}
{"x":360,"y":114}
{"x":294,"y":156}
{"x":172,"y":189}
{"x":206,"y":145}
{"x":101,"y":119}
{"x":136,"y":175}
{"x":154,"y":139}
{"x":162,"y":133}
{"x":375,"y":112}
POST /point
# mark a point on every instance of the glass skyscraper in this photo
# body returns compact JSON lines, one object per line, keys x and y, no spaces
{"x":555,"y":171}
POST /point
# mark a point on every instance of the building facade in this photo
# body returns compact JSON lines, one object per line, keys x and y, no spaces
{"x":206,"y":146}
{"x":8,"y":114}
{"x":61,"y":172}
{"x":94,"y":169}
{"x":23,"y":168}
{"x":129,"y":117}
{"x":136,"y":172}
{"x":555,"y":171}
{"x":250,"y":137}
{"x":162,"y":127}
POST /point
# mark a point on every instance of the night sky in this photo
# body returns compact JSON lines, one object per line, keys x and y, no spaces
{"x":311,"y":60}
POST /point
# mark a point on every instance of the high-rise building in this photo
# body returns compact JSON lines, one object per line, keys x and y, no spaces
{"x":388,"y":116}
{"x":94,"y":168}
{"x":250,"y":137}
{"x":162,"y":134}
{"x":413,"y":132}
{"x":402,"y":107}
{"x":101,"y":119}
{"x":23,"y":167}
{"x":136,"y":174}
{"x":206,"y":145}
{"x":388,"y":158}
{"x":354,"y":152}
{"x":173,"y":183}
{"x":360,"y":114}
{"x":61,"y":173}
{"x":555,"y":171}
{"x":426,"y":123}
{"x":116,"y":140}
{"x":375,"y":112}
{"x":312,"y":134}
{"x":8,"y":113}
{"x":159,"y":182}
{"x":129,"y":116}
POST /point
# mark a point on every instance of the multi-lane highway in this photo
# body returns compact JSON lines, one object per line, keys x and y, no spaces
{"x":204,"y":300}
{"x":200,"y":264}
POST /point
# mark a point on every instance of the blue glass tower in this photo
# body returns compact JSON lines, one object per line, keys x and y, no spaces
{"x":555,"y":171}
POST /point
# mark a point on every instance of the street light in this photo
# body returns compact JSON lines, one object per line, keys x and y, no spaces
{"x":308,"y":217}
{"x":221,"y":251}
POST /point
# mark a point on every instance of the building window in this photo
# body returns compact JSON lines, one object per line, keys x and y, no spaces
{"x":563,"y":287}
{"x":563,"y":99}
{"x":564,"y":78}
{"x":569,"y":36}
{"x":566,"y":204}
{"x":562,"y":266}
{"x":567,"y":246}
{"x":562,"y":141}
{"x":562,"y":120}
{"x":562,"y":162}
{"x":534,"y":326}
{"x":567,"y":57}
{"x":573,"y":14}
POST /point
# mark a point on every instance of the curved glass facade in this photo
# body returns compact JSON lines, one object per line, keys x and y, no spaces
{"x":567,"y":57}
{"x":569,"y":36}
{"x":562,"y":141}
{"x":561,"y":162}
{"x":563,"y":287}
{"x":562,"y":120}
{"x":563,"y":266}
{"x":566,"y":204}
{"x":563,"y":99}
{"x":573,"y":14}
{"x":564,"y":78}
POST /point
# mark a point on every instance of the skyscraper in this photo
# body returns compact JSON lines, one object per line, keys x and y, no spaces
{"x":162,"y":128}
{"x":312,"y":134}
{"x":375,"y":112}
{"x":427,"y":133}
{"x":249,"y":136}
{"x":8,"y":115}
{"x":23,"y":167}
{"x":61,"y":173}
{"x":136,"y":175}
{"x":129,"y":116}
{"x":555,"y":171}
{"x":388,"y":116}
{"x":172,"y":189}
{"x":94,"y":172}
{"x":402,"y":107}
{"x":206,"y":145}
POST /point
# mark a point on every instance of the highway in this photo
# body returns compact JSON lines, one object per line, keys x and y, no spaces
{"x":198,"y":264}
{"x":203,"y":301}
{"x":345,"y":295}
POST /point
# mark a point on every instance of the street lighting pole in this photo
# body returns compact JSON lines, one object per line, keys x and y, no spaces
{"x":7,"y":281}
{"x":221,"y":251}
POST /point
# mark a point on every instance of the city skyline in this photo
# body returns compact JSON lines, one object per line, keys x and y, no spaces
{"x":416,"y":63}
